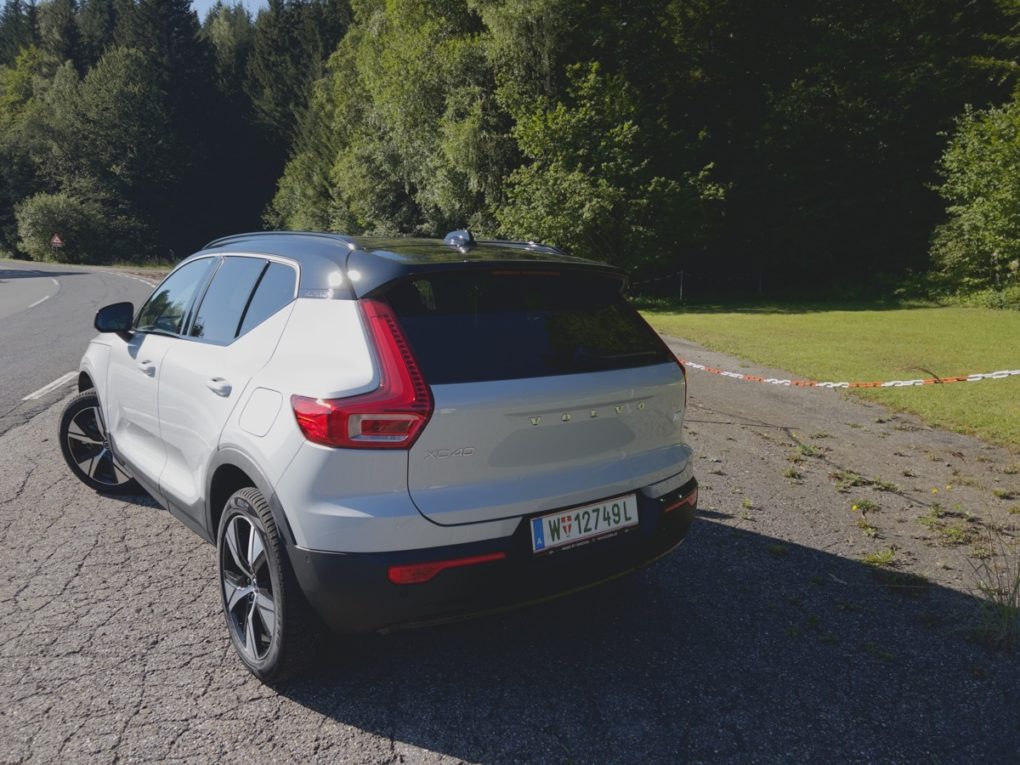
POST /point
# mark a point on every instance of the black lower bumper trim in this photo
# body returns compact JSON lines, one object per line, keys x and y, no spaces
{"x":352,"y":593}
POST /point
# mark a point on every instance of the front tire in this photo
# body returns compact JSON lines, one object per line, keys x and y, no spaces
{"x":271,"y":625}
{"x":85,"y":445}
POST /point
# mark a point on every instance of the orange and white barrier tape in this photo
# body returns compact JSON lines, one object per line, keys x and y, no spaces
{"x":1000,"y":375}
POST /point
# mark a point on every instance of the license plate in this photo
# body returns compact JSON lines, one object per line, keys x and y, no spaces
{"x":566,"y":527}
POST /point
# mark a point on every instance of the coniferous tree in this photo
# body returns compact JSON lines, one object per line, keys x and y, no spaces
{"x":230,"y":31}
{"x":167,"y":34}
{"x":292,"y":39}
{"x":58,"y":32}
{"x":17,"y":29}
{"x":97,"y":22}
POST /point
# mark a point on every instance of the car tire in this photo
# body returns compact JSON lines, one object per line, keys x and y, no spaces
{"x":273,"y":629}
{"x":86,"y":447}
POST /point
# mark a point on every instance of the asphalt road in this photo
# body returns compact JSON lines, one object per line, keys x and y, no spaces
{"x":764,"y":638}
{"x":46,"y":313}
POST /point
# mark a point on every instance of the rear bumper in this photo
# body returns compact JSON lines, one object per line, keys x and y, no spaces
{"x":352,"y":593}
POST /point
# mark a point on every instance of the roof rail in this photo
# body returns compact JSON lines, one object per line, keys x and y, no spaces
{"x":530,"y":245}
{"x":347,"y":241}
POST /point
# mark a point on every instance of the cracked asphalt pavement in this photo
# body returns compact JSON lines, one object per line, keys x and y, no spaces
{"x":763,"y":638}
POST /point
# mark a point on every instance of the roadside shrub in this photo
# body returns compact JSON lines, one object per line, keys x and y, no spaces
{"x":91,"y":233}
{"x":1008,"y":297}
{"x":978,"y":248}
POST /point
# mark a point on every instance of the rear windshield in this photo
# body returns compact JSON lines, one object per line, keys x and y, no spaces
{"x":467,"y":326}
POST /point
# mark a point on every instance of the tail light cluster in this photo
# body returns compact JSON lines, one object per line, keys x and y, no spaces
{"x":391,"y":416}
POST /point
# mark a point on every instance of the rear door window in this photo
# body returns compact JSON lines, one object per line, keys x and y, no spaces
{"x":472,"y":326}
{"x":274,"y":291}
{"x":219,"y":316}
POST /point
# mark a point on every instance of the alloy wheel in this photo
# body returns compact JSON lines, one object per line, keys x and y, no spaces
{"x":89,"y":447}
{"x":247,"y":588}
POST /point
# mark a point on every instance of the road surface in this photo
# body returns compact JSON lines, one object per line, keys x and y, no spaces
{"x":764,"y":638}
{"x":46,"y":313}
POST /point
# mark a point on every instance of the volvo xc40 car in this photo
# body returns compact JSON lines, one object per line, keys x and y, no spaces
{"x":378,"y":433}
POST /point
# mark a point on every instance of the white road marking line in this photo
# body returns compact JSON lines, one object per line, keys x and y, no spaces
{"x":147,"y":282}
{"x":55,"y":282}
{"x":60,"y":381}
{"x":40,"y":300}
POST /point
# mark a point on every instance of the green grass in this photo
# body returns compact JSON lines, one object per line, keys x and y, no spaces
{"x":869,"y":343}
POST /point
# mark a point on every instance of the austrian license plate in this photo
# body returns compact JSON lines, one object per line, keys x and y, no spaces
{"x":566,"y":527}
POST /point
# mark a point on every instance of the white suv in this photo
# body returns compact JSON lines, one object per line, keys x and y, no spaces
{"x":379,"y":433}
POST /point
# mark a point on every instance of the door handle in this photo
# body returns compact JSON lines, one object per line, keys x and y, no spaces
{"x":219,"y":386}
{"x":147,"y":367}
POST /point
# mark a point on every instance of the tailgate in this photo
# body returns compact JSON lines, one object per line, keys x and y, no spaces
{"x":500,"y":449}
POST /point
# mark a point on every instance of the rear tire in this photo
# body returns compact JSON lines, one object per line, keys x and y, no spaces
{"x":273,"y":629}
{"x":85,"y":444}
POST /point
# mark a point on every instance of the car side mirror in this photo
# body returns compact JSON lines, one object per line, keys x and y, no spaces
{"x":115,"y":318}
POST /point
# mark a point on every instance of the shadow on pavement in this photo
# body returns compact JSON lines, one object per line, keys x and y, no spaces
{"x":737,"y":647}
{"x":14,"y":273}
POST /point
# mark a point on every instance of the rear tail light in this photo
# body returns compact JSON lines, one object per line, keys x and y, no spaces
{"x":418,"y":573}
{"x":391,"y":416}
{"x":691,"y":499}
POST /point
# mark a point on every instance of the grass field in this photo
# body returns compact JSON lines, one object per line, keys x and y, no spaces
{"x":879,"y":343}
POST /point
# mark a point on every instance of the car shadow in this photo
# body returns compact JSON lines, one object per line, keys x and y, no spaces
{"x":737,"y":647}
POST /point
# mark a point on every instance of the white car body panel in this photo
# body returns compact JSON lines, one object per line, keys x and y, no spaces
{"x":192,"y":415}
{"x":509,"y":448}
{"x":131,"y":395}
{"x":326,"y":341}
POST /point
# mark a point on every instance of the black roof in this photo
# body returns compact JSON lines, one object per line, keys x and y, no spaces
{"x":364,"y":263}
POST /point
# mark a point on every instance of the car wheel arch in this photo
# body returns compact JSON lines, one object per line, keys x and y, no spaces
{"x":85,"y":382}
{"x":230,"y":471}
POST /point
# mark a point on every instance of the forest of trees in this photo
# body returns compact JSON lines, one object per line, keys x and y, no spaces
{"x":756,"y":145}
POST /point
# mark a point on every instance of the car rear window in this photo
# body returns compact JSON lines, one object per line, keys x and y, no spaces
{"x":471,"y":326}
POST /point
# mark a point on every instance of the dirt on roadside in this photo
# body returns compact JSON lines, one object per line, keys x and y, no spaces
{"x":830,"y":471}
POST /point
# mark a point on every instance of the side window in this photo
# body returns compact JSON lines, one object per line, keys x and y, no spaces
{"x":274,"y":292}
{"x":224,"y":302}
{"x":166,"y":308}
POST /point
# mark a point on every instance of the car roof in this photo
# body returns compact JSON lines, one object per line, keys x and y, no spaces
{"x":365,"y":263}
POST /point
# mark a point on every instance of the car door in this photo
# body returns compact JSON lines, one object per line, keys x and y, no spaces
{"x":233,"y":334}
{"x":134,"y":371}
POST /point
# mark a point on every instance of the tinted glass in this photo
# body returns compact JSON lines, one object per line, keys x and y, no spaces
{"x":473,"y":326}
{"x":274,"y":292}
{"x":220,"y":314}
{"x":165,"y":311}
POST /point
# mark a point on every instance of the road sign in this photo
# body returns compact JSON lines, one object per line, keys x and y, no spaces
{"x":56,"y":241}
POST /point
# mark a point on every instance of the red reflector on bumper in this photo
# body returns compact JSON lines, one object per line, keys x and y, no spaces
{"x":691,"y":499}
{"x":416,"y":573}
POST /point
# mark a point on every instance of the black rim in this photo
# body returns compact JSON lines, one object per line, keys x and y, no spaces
{"x":248,"y":594}
{"x":89,"y":447}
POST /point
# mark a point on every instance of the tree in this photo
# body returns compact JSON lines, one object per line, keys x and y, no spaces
{"x":231,"y":34}
{"x":103,"y":147}
{"x":18,"y":29}
{"x":403,"y":133}
{"x":979,"y":246}
{"x":22,"y":115}
{"x":79,"y":221}
{"x":97,"y":23}
{"x":58,"y":32}
{"x":589,"y":185}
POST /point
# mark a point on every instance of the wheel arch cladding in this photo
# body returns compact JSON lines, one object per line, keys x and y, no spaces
{"x":85,"y":382}
{"x":231,"y":471}
{"x":227,"y":479}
